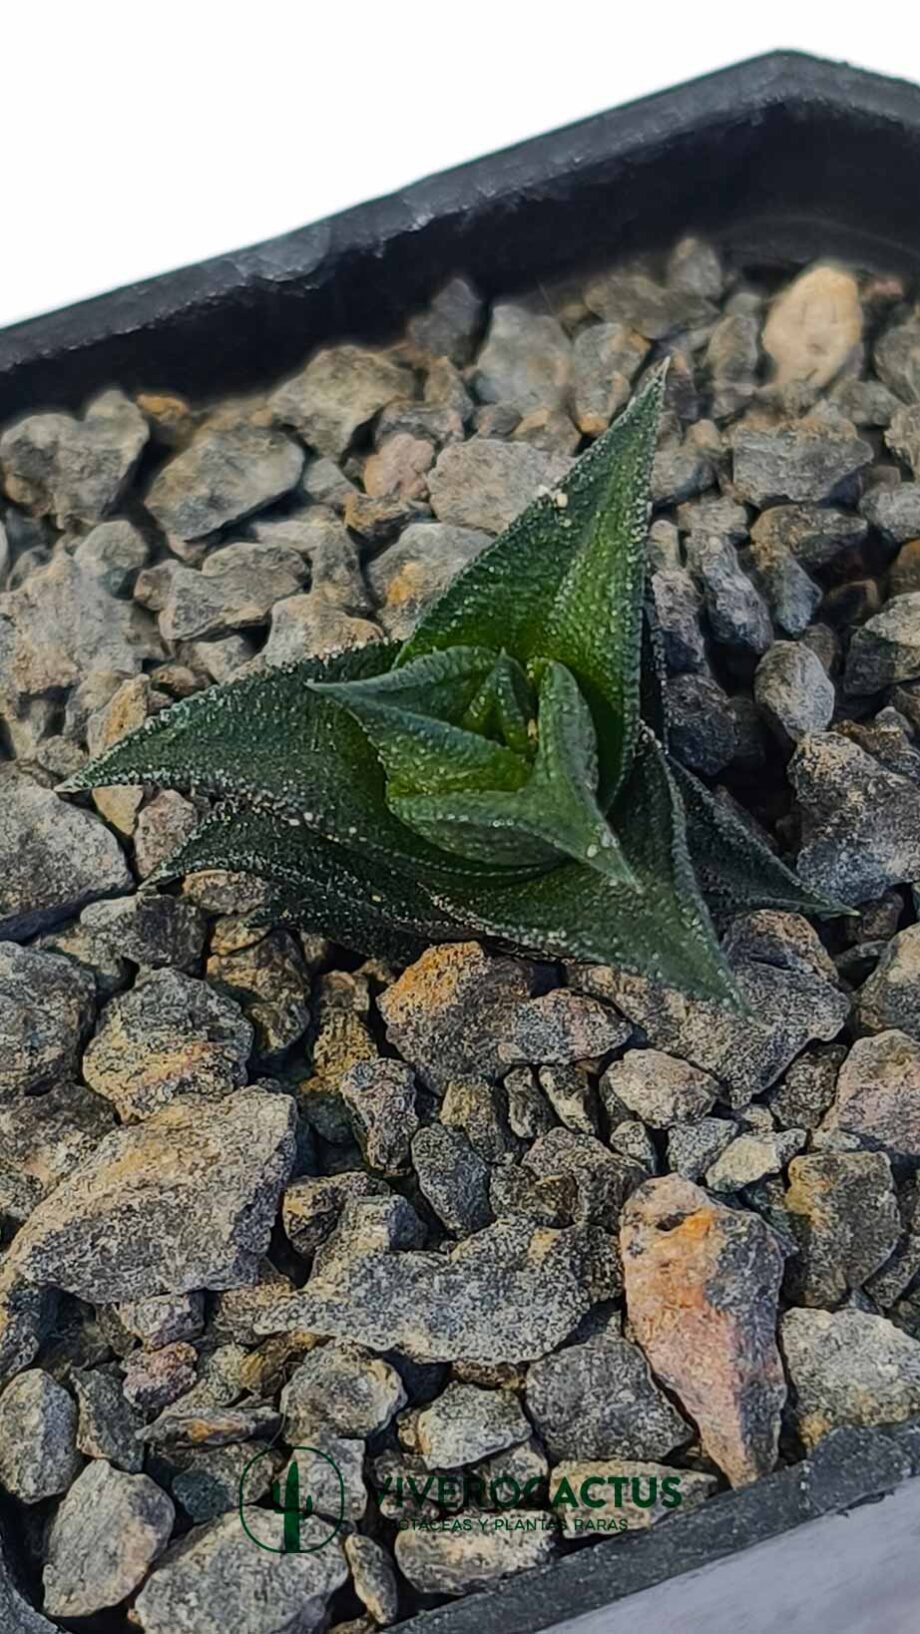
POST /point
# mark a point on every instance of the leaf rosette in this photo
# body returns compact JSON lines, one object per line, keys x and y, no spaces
{"x":504,"y":773}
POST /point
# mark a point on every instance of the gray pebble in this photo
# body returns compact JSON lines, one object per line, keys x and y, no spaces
{"x":860,"y":823}
{"x":526,"y":360}
{"x":802,"y":460}
{"x":465,"y":1424}
{"x":38,"y":1427}
{"x":848,"y":1368}
{"x":340,"y":1390}
{"x":107,"y":1425}
{"x":103,"y":1540}
{"x":225,"y":474}
{"x":486,"y":483}
{"x":341,"y":388}
{"x":453,"y":1178}
{"x":703,"y":729}
{"x":46,"y":1005}
{"x":659,"y":1088}
{"x":54,"y":857}
{"x":75,"y":469}
{"x":598,"y":1400}
{"x":793,"y":691}
{"x":114,"y":553}
{"x":217,"y":1578}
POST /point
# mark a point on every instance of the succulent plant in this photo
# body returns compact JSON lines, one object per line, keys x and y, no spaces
{"x":504,"y":773}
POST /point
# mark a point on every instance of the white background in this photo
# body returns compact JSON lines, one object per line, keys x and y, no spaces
{"x":143,"y":135}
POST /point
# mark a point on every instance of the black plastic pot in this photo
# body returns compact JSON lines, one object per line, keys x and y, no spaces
{"x":782,"y":157}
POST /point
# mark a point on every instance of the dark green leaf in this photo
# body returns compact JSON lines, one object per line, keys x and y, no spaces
{"x":575,"y":913}
{"x":654,"y":697}
{"x":407,"y":714}
{"x":504,"y":708}
{"x":322,"y":886}
{"x":502,"y":599}
{"x":735,"y":869}
{"x":556,"y":812}
{"x":440,"y":685}
{"x":270,"y":740}
{"x":594,"y":624}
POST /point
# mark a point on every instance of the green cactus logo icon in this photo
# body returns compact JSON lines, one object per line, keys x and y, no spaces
{"x":290,"y":1507}
{"x":309,"y":1497}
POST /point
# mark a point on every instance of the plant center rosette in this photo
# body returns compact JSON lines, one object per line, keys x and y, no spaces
{"x":504,"y":773}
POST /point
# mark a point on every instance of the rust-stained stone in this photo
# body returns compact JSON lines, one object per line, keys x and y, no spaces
{"x":848,"y":1367}
{"x":373,"y":1577}
{"x":508,"y":1293}
{"x":460,"y":1563}
{"x":399,"y":467}
{"x":269,"y":980}
{"x":450,"y":1011}
{"x":184,"y":1200}
{"x":212,"y":1426}
{"x":312,"y":1205}
{"x":170,"y":1035}
{"x":844,"y":1214}
{"x":702,"y":1287}
{"x":107,"y":1426}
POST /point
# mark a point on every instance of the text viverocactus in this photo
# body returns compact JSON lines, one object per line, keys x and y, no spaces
{"x":504,"y":773}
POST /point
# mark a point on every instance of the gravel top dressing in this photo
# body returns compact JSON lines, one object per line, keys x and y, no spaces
{"x":334,"y":1287}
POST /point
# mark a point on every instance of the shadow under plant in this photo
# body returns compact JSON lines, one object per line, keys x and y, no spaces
{"x":456,"y":1211}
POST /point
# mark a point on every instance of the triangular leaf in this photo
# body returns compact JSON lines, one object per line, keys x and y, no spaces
{"x":735,"y":869}
{"x":575,"y":913}
{"x":504,"y":707}
{"x":594,"y":624}
{"x":555,"y":813}
{"x":321,"y":886}
{"x":271,"y":741}
{"x":501,"y":599}
{"x":653,"y":697}
{"x":439,"y":684}
{"x":408,"y":716}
